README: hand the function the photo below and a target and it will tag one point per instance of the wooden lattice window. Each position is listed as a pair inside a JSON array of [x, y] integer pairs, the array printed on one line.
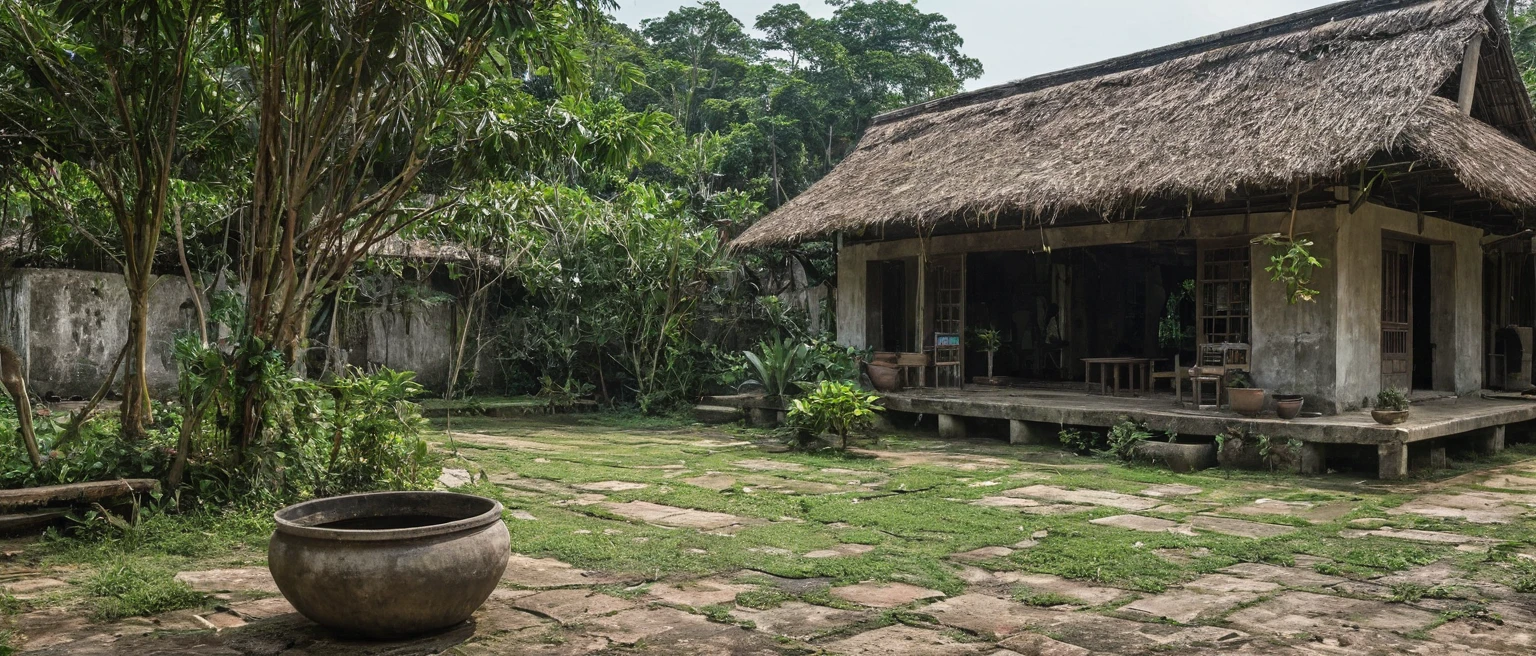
[[1225, 299]]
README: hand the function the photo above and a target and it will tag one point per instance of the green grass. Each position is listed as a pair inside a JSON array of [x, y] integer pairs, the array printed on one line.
[[132, 590]]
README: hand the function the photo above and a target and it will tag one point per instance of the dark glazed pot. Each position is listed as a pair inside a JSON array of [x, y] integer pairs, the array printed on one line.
[[389, 564], [1288, 406], [1389, 417]]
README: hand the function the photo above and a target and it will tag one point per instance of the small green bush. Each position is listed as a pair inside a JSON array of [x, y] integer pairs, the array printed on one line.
[[1392, 398], [834, 407], [1125, 436], [132, 590], [1082, 442]]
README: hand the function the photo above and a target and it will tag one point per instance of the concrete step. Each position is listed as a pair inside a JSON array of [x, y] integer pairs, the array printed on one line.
[[717, 414]]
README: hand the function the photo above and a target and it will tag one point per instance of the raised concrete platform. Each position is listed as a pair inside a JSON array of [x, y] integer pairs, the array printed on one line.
[[1034, 411]]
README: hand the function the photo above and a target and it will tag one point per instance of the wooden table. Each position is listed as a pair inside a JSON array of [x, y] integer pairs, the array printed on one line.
[[1138, 374]]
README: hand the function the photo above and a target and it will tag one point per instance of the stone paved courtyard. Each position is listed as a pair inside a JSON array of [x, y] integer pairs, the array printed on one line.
[[633, 537]]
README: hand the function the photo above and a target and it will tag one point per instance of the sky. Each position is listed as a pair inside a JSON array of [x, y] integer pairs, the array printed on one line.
[[1016, 39]]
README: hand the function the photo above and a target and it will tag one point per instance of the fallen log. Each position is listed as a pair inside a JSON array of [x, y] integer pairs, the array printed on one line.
[[73, 493]]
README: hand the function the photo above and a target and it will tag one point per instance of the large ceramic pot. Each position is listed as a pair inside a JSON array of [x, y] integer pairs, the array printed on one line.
[[1246, 400], [389, 564], [1288, 406], [885, 378]]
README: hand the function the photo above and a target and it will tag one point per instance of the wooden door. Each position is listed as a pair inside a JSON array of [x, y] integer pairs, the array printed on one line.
[[1396, 314], [947, 340]]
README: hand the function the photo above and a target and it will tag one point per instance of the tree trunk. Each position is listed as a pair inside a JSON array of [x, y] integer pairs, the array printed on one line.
[[135, 412]]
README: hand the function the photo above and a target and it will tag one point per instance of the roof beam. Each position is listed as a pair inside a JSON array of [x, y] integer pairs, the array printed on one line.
[[1469, 74]]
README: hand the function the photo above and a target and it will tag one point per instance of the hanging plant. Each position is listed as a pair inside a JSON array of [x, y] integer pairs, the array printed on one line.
[[1291, 262], [1290, 258], [1171, 330]]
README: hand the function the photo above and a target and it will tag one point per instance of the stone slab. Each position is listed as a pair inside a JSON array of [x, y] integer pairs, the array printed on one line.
[[1291, 577], [883, 595], [763, 464], [452, 478], [699, 593], [1170, 490], [244, 579], [611, 486], [1222, 583], [655, 513], [1238, 527], [1474, 507], [985, 615], [1091, 595], [1296, 612], [571, 606], [1316, 513], [1034, 644], [261, 609], [527, 572], [1136, 523], [1416, 535], [1084, 497], [984, 553], [903, 640], [841, 550], [33, 588], [1187, 605], [800, 620]]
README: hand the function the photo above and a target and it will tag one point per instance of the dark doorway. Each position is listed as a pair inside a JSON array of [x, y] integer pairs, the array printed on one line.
[[1423, 344], [889, 305]]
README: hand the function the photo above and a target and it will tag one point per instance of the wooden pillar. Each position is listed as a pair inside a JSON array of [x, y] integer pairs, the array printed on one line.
[[1469, 74], [1393, 460]]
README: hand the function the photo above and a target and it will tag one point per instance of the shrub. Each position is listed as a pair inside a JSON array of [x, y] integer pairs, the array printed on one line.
[[778, 365], [834, 407], [1124, 436], [1082, 442], [1392, 398]]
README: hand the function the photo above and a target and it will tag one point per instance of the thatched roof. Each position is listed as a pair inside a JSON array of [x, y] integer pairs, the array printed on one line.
[[1311, 95]]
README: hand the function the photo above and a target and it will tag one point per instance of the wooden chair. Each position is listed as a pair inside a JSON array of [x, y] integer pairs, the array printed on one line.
[[1174, 376], [1215, 362]]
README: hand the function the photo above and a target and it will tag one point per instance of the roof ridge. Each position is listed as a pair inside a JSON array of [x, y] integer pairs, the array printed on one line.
[[1298, 21]]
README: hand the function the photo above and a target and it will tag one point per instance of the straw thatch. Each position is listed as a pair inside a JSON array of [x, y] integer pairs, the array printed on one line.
[[1258, 107]]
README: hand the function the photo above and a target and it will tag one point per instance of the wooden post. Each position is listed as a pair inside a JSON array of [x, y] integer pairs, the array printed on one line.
[[1469, 74]]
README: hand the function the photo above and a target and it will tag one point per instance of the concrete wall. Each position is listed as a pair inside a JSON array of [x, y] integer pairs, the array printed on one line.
[[1328, 350], [401, 333], [69, 325]]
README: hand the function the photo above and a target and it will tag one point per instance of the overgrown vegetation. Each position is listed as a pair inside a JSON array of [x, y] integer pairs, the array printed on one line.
[[834, 407]]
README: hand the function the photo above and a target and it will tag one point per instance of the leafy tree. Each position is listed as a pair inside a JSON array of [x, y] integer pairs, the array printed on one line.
[[120, 92]]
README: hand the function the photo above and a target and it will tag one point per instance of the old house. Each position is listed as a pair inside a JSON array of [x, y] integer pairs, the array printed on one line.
[[1064, 210]]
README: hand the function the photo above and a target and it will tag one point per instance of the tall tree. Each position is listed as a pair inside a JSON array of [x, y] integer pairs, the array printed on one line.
[[116, 87], [351, 107]]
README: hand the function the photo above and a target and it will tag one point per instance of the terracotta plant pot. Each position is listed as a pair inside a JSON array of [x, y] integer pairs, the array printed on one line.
[[1288, 406], [1246, 400], [1389, 417], [884, 377], [389, 564]]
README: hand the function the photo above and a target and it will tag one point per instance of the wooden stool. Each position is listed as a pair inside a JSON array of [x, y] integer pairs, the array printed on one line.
[[1198, 379]]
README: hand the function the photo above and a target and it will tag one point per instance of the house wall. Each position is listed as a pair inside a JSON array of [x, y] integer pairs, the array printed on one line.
[[1328, 350]]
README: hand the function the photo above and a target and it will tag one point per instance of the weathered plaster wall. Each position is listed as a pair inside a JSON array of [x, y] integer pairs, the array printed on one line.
[[69, 325], [1293, 349], [400, 332], [1329, 349]]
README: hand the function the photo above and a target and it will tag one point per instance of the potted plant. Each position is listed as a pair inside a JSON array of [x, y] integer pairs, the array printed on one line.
[[1391, 407], [1245, 398], [989, 340], [1288, 406]]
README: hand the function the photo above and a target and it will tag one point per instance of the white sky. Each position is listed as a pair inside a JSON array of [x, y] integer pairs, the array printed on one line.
[[1020, 38]]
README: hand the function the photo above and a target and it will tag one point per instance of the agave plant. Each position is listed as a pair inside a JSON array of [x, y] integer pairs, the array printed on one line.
[[779, 365]]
